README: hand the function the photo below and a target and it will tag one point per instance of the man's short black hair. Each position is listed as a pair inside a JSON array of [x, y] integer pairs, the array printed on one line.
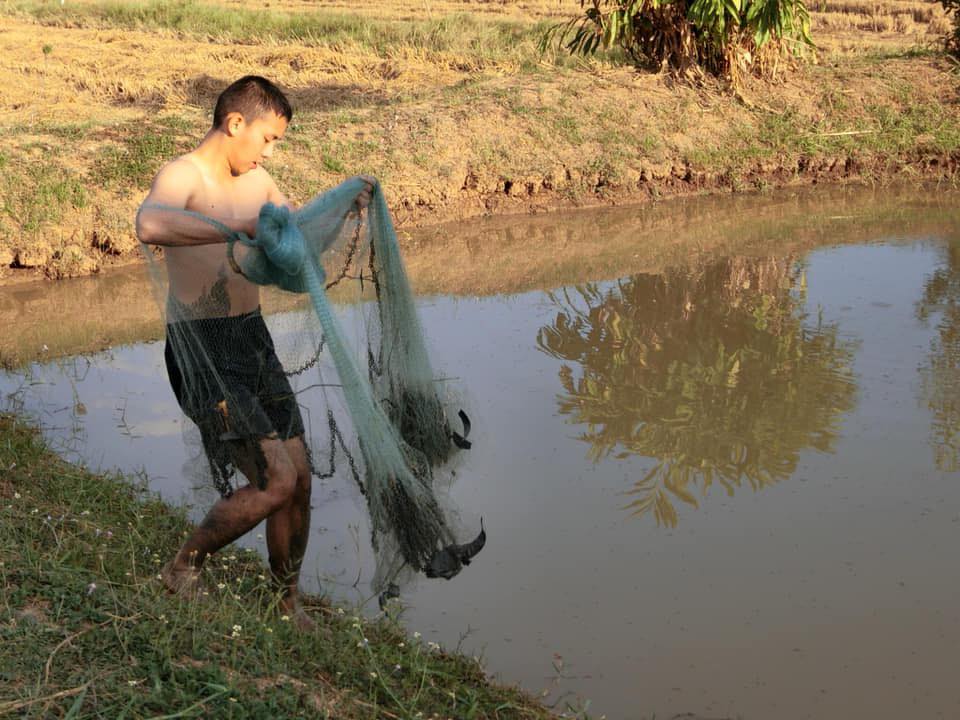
[[252, 96]]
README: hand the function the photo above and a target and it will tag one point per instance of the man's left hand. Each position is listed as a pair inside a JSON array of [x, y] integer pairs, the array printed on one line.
[[363, 198]]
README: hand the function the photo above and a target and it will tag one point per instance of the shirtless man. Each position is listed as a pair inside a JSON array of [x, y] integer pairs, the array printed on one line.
[[220, 357]]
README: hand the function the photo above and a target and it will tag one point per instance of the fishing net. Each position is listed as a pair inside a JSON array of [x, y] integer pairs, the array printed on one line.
[[226, 371]]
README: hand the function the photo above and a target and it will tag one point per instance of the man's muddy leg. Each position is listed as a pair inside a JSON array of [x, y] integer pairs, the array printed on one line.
[[231, 517], [288, 530]]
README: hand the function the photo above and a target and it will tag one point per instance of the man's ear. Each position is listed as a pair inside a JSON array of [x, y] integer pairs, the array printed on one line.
[[233, 124]]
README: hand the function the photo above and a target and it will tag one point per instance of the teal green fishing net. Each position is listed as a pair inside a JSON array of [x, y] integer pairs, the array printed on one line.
[[400, 433]]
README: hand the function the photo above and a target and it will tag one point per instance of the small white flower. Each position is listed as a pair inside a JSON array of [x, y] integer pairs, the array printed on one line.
[[339, 611], [284, 618], [261, 577], [373, 675], [402, 645], [416, 636], [220, 586], [133, 683], [159, 576], [396, 667], [16, 496], [85, 512], [269, 629], [237, 628], [90, 588]]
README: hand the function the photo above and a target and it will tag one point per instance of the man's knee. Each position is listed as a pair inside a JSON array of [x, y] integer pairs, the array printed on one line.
[[281, 477], [300, 457]]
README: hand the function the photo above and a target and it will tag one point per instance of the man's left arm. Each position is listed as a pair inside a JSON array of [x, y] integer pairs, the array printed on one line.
[[275, 196]]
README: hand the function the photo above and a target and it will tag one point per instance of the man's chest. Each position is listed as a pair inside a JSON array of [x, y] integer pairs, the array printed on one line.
[[242, 198]]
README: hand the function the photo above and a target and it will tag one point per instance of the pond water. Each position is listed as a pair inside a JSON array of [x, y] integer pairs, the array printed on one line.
[[718, 459]]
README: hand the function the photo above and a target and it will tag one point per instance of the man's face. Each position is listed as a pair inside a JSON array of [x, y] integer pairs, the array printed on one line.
[[253, 142]]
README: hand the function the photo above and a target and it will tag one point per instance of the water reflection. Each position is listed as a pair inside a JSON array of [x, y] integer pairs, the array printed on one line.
[[941, 373], [716, 372]]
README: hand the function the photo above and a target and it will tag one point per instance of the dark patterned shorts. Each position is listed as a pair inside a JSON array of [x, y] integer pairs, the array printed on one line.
[[227, 379]]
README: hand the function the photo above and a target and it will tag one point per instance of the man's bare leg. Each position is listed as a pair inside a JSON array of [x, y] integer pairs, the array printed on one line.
[[234, 516], [288, 530]]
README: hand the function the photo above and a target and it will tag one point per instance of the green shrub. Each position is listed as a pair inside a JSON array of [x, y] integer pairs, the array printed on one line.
[[952, 8], [723, 37]]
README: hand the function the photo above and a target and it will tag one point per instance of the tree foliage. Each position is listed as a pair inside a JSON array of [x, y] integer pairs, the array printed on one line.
[[724, 37], [952, 8], [714, 372]]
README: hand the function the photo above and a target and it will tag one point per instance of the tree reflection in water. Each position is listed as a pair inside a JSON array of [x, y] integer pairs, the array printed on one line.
[[713, 371], [941, 376]]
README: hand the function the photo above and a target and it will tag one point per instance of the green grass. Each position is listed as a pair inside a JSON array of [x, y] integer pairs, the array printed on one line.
[[63, 131], [87, 632], [140, 151], [35, 190]]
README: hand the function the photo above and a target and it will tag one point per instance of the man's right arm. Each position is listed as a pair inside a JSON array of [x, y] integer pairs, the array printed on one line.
[[160, 223]]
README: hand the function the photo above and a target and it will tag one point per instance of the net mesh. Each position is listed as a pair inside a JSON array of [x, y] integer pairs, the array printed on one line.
[[228, 377]]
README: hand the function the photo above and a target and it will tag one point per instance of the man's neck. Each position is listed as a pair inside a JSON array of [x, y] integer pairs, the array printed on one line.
[[211, 155]]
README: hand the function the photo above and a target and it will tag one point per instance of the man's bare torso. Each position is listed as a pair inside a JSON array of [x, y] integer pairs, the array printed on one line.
[[202, 283]]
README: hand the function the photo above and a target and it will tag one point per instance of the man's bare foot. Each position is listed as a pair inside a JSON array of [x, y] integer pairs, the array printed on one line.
[[184, 582], [292, 608]]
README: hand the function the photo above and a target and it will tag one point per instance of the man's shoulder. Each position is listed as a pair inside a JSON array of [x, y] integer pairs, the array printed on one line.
[[180, 173], [260, 176], [262, 181], [182, 166]]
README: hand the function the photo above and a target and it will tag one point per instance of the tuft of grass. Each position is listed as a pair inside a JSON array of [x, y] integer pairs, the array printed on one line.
[[36, 190], [86, 630], [139, 154]]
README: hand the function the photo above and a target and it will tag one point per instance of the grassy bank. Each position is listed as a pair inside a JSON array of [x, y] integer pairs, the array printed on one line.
[[87, 631], [449, 103]]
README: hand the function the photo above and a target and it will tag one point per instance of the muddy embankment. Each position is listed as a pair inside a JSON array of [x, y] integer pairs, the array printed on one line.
[[487, 195]]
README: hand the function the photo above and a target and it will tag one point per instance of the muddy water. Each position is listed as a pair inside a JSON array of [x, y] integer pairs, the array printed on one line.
[[719, 468]]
